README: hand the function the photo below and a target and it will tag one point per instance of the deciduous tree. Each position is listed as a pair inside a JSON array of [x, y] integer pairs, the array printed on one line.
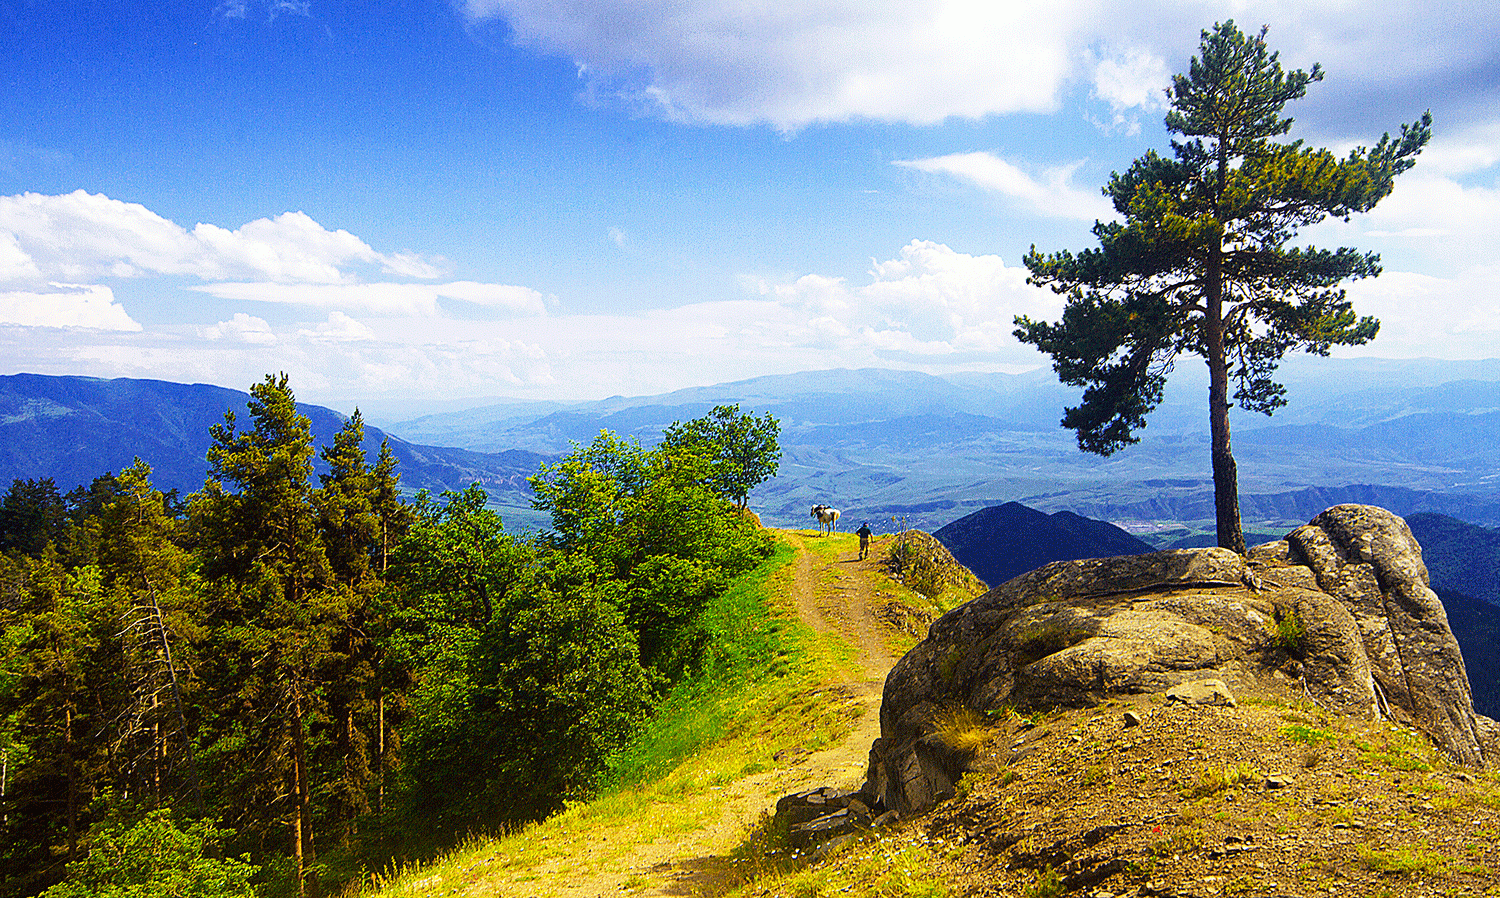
[[741, 450]]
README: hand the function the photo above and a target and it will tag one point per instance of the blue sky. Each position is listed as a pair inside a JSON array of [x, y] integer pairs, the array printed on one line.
[[416, 205]]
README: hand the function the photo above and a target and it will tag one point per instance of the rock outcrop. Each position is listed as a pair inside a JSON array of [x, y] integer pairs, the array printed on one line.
[[1340, 612]]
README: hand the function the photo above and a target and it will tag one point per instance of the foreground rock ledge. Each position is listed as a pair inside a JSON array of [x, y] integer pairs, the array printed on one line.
[[1340, 611]]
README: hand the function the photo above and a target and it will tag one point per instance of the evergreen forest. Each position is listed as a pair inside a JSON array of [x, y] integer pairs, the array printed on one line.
[[284, 678]]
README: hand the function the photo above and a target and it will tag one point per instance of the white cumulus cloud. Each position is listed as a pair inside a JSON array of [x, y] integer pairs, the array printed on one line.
[[932, 301], [81, 236], [66, 305], [1131, 81], [743, 62], [748, 62], [339, 328], [242, 328]]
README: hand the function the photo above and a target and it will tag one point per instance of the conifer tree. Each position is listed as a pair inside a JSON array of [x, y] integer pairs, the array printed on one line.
[[32, 514], [395, 516], [146, 576], [1201, 262], [346, 504], [263, 554]]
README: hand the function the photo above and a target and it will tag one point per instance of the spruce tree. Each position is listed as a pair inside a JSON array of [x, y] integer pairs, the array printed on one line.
[[265, 561]]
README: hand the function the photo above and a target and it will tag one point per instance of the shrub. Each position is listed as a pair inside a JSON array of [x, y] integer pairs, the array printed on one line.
[[1289, 632], [152, 858]]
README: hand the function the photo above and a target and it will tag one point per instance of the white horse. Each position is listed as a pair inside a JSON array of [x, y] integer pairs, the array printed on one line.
[[828, 517]]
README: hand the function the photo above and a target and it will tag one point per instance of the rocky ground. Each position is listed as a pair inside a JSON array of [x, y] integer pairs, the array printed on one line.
[[1269, 798], [1261, 799]]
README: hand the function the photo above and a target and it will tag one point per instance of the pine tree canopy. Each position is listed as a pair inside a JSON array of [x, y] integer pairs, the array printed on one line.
[[1201, 259]]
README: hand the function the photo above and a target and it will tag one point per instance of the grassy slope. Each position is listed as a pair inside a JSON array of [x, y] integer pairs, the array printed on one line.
[[759, 695], [1371, 809]]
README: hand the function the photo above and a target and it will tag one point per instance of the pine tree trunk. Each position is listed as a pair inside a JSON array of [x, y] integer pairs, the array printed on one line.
[[72, 783], [160, 627], [307, 855], [1226, 479], [380, 750], [297, 851]]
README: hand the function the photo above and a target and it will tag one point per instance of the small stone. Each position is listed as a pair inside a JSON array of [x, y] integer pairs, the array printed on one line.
[[1132, 719], [1278, 781]]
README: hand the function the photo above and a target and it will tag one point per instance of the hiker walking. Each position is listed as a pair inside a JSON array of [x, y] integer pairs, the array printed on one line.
[[864, 540]]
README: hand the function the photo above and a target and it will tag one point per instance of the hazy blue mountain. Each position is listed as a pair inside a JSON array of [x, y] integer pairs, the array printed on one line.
[[1476, 625], [1004, 541], [74, 428], [1459, 556], [1413, 435]]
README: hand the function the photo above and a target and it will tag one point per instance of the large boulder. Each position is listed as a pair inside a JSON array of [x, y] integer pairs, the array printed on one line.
[[1340, 612]]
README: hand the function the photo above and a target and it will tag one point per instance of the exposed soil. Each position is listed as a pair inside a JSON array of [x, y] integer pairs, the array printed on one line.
[[1322, 806]]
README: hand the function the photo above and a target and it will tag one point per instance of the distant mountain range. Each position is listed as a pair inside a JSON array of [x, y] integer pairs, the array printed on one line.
[[1419, 438], [73, 429], [1412, 436]]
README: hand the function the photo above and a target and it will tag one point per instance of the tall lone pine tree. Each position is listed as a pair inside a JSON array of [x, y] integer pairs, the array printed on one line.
[[1200, 263]]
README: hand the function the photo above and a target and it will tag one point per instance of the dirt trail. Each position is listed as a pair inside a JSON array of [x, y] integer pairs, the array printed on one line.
[[686, 863]]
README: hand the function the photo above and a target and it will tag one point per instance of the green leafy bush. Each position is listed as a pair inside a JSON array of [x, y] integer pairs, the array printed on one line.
[[155, 858]]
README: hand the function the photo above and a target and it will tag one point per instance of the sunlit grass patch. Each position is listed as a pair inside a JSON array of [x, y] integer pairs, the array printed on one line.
[[963, 728], [1400, 749], [897, 866], [1405, 861], [1302, 734], [1212, 780], [757, 692]]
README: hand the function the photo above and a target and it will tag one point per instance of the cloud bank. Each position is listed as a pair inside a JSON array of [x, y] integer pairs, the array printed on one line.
[[52, 246], [745, 62], [734, 62]]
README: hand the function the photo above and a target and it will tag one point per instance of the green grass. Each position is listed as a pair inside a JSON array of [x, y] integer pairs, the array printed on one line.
[[754, 694], [1212, 780], [748, 643], [1307, 735], [894, 867], [1405, 861], [1401, 750]]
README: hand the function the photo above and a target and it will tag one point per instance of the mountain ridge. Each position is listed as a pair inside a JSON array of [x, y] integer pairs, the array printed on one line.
[[73, 429], [881, 444]]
